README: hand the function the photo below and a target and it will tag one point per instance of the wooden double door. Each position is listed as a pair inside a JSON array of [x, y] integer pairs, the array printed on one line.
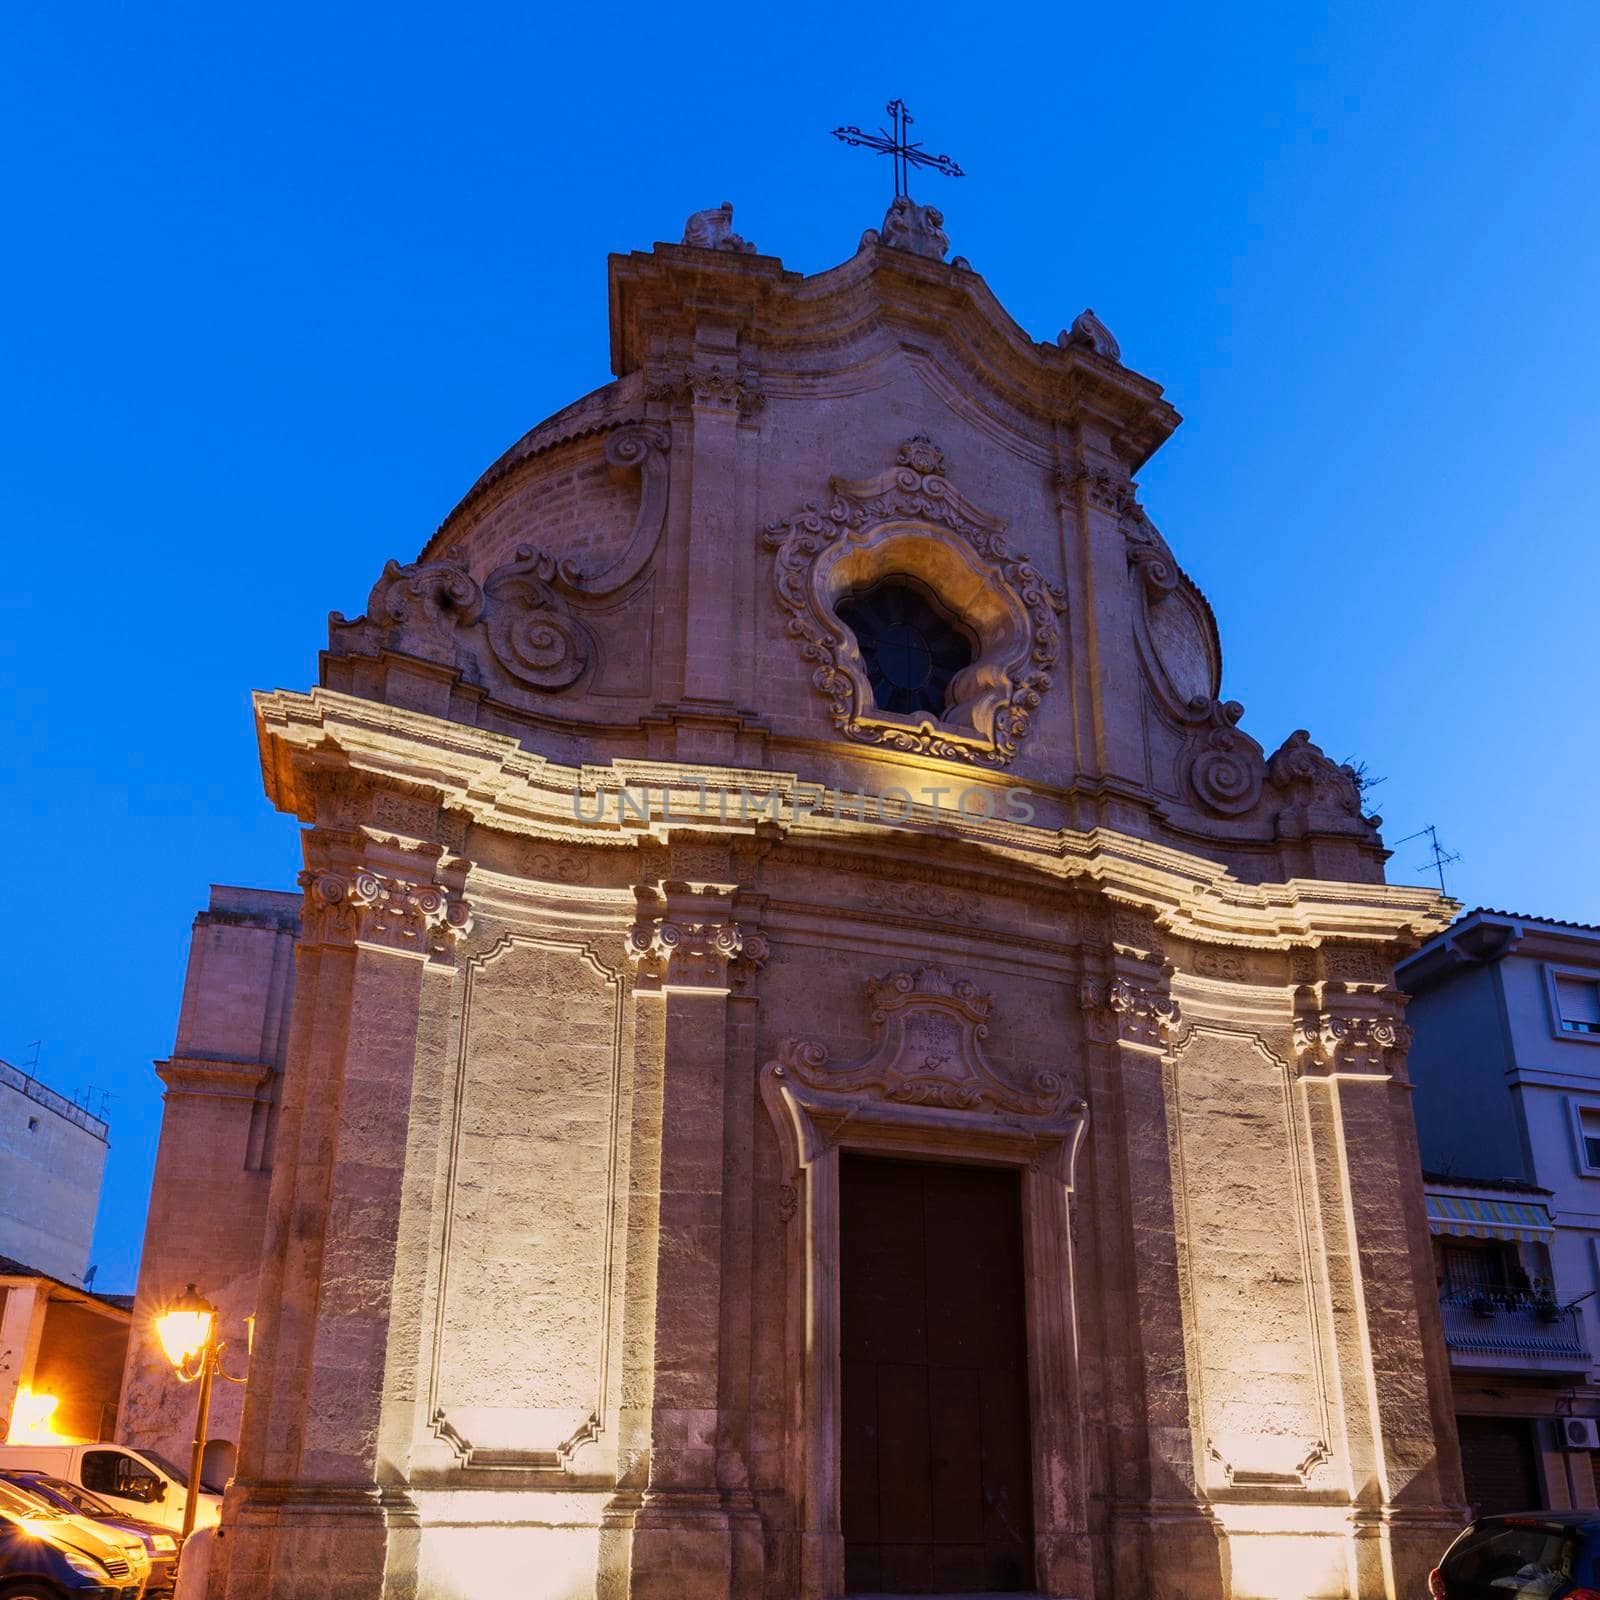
[[936, 1491]]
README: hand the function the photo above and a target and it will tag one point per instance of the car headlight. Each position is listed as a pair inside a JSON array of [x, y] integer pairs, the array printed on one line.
[[163, 1541], [79, 1562]]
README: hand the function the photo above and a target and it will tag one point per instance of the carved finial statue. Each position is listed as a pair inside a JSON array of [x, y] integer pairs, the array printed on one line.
[[713, 230], [1088, 332], [909, 226]]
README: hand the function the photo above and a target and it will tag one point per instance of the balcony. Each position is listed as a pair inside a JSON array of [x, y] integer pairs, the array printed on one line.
[[1513, 1332]]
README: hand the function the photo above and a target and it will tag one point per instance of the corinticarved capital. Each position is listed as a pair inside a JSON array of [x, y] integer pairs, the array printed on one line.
[[686, 938], [1350, 1041], [1128, 1013], [366, 907]]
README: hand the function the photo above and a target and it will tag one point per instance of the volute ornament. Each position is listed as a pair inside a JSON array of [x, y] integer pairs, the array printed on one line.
[[525, 619], [1322, 795], [1227, 769]]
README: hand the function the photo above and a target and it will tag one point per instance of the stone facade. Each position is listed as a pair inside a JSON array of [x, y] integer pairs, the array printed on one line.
[[208, 1200], [52, 1160], [628, 914]]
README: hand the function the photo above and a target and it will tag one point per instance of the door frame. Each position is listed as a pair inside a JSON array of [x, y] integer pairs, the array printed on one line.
[[815, 1125]]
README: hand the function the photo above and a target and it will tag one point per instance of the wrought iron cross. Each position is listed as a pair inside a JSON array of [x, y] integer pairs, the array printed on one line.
[[906, 154]]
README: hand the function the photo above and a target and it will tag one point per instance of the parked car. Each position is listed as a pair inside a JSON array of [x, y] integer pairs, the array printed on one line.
[[137, 1482], [36, 1565], [1531, 1555], [160, 1545]]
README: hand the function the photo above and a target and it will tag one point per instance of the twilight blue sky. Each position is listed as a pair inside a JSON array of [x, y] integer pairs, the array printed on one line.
[[278, 285]]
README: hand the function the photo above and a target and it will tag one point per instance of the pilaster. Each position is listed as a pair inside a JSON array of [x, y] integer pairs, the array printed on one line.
[[316, 1507], [687, 1524], [1350, 1045], [1162, 1536], [21, 1330]]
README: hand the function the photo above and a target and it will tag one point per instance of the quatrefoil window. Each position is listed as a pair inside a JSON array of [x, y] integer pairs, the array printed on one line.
[[910, 644]]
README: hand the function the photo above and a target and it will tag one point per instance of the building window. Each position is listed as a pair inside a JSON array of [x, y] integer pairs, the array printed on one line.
[[1589, 1136], [33, 1124], [1578, 1006], [910, 645], [1482, 1266]]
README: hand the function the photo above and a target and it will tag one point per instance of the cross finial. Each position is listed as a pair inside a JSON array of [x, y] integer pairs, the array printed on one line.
[[898, 144]]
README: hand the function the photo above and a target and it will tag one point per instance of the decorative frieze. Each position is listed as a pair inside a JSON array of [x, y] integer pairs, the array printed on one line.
[[1128, 1013]]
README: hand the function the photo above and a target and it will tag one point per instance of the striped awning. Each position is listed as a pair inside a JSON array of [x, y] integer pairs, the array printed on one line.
[[1482, 1218]]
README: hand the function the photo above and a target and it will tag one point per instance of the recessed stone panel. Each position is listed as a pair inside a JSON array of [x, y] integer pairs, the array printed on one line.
[[523, 1328], [1242, 1228]]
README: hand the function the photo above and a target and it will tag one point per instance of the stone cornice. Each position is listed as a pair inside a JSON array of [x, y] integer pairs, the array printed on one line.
[[212, 1078], [489, 780], [663, 294]]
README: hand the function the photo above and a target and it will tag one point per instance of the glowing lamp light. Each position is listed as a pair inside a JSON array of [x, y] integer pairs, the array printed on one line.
[[184, 1328], [31, 1415]]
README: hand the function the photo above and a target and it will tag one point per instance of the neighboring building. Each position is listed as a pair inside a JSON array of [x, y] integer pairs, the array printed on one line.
[[208, 1200], [1505, 1057], [61, 1355], [797, 955], [52, 1159]]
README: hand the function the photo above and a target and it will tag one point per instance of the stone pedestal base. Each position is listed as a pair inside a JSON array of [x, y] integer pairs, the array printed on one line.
[[307, 1543], [669, 1545], [1167, 1549]]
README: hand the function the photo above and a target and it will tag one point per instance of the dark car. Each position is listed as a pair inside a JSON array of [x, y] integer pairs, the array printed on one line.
[[159, 1542], [33, 1567], [1528, 1555]]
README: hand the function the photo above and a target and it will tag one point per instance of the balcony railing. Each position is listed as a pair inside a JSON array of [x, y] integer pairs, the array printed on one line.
[[1511, 1329]]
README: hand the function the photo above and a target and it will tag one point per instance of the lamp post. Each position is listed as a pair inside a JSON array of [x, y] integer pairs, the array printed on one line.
[[187, 1330]]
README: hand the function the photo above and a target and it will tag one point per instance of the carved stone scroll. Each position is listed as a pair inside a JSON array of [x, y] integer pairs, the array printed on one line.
[[525, 620]]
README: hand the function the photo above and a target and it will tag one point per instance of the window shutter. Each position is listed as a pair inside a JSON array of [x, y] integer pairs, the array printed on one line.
[[1579, 999]]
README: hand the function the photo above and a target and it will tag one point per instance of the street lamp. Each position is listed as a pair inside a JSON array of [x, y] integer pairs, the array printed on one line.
[[187, 1330]]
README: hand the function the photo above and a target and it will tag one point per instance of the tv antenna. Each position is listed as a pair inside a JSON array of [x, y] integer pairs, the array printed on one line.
[[1439, 860]]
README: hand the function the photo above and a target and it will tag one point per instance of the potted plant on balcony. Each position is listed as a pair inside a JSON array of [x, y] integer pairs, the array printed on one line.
[[1546, 1308], [1483, 1305]]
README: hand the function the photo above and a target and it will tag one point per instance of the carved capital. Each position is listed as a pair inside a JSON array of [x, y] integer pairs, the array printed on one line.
[[687, 938], [702, 384], [361, 906], [1341, 1040], [1097, 487], [1128, 1013]]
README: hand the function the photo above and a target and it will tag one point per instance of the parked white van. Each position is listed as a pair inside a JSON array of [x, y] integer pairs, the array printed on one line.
[[138, 1483]]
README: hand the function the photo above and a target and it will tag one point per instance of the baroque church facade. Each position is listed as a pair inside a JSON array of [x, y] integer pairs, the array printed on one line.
[[820, 1058]]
